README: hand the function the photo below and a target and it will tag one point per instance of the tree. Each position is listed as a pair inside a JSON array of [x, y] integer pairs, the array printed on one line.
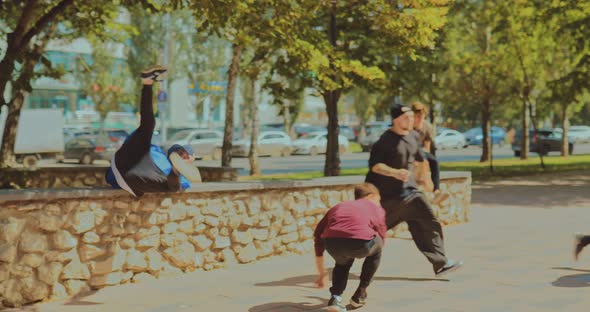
[[30, 25], [245, 25], [478, 70], [105, 79], [568, 82], [345, 44]]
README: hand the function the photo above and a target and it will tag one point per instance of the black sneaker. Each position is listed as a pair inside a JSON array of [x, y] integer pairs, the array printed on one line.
[[578, 246], [451, 266], [154, 73], [359, 298], [335, 304]]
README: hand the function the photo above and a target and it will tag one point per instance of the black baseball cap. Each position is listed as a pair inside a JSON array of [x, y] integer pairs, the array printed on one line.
[[398, 110]]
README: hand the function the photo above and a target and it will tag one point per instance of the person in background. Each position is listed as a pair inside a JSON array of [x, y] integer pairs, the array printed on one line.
[[426, 138]]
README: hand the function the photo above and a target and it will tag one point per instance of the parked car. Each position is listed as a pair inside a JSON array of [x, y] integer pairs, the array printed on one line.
[[304, 129], [205, 142], [474, 136], [316, 143], [542, 142], [347, 132], [577, 134], [88, 148], [270, 143], [373, 132], [449, 138]]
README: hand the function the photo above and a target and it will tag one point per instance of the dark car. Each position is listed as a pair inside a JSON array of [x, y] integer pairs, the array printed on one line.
[[87, 149], [474, 136], [541, 142]]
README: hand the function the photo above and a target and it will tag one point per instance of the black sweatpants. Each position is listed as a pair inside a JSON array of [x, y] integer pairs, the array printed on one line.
[[138, 144], [434, 170], [344, 251], [425, 228]]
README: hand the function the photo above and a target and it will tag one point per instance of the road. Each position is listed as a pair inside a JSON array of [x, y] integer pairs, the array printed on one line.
[[306, 163]]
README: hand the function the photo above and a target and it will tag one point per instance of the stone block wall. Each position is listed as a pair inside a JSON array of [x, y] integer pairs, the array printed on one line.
[[86, 177], [56, 244]]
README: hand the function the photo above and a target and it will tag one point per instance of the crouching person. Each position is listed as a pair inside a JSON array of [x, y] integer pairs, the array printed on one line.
[[351, 230]]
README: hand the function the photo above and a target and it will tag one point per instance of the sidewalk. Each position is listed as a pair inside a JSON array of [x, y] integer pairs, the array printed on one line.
[[517, 250]]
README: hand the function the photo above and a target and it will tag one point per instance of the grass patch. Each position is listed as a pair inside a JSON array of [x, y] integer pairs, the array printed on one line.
[[505, 167], [354, 147], [515, 167]]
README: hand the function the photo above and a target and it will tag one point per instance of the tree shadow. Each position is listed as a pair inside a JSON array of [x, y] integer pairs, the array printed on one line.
[[77, 299], [291, 306], [397, 278], [570, 269], [551, 194]]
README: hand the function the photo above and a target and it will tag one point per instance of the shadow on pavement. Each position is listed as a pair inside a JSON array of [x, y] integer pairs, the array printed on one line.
[[405, 279], [294, 281], [77, 299], [291, 306], [533, 195], [576, 280]]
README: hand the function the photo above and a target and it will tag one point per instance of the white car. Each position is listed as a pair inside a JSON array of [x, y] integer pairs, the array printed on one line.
[[316, 142], [270, 143], [205, 142], [579, 133], [449, 138]]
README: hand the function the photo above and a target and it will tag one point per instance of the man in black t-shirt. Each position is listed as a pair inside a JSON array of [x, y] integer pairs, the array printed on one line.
[[396, 167]]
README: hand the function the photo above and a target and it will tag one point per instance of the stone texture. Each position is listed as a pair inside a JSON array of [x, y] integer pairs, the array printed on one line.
[[10, 229], [81, 221], [91, 238], [49, 223], [89, 252], [181, 256], [75, 270], [49, 272], [74, 287], [33, 242], [8, 253], [201, 242], [155, 262], [110, 264], [64, 240], [113, 278], [136, 261], [32, 260]]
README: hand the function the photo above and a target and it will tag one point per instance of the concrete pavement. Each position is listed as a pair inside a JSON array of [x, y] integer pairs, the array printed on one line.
[[517, 250]]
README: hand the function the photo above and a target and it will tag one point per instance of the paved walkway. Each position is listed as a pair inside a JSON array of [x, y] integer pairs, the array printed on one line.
[[517, 248]]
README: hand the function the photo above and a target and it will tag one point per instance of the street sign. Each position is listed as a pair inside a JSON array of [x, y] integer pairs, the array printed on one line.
[[162, 96]]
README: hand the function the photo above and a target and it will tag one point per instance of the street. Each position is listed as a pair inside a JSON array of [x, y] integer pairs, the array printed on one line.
[[307, 163]]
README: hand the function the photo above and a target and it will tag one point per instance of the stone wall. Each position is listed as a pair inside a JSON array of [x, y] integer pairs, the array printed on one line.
[[58, 243], [86, 177]]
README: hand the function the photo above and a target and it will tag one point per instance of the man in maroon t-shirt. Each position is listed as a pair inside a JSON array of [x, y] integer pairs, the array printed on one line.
[[349, 230]]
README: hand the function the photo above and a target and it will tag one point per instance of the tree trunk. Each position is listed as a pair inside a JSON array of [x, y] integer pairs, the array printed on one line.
[[253, 153], [332, 164], [486, 152], [524, 137], [229, 106], [7, 158], [287, 117], [565, 125]]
